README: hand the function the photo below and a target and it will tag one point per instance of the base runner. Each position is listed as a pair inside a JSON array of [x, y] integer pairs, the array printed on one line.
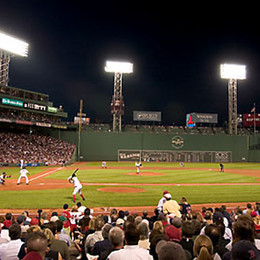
[[23, 174], [77, 186]]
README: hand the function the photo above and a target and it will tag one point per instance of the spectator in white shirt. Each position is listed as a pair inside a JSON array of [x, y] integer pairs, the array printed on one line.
[[131, 250], [9, 251]]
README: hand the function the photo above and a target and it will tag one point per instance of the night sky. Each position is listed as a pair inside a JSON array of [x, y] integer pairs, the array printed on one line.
[[176, 51]]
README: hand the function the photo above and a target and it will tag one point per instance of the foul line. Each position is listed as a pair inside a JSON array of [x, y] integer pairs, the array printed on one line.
[[170, 184], [44, 174]]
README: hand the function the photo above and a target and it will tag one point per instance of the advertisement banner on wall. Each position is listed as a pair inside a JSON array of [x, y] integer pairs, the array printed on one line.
[[249, 119]]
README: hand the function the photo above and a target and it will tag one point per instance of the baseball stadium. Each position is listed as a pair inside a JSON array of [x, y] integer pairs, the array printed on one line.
[[182, 160], [78, 172]]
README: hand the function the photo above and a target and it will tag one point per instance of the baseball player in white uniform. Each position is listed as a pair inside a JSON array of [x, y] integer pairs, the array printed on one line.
[[77, 186], [138, 165], [23, 174], [104, 165]]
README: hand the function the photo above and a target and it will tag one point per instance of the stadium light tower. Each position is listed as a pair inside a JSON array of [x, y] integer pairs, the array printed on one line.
[[232, 72], [117, 103], [9, 46]]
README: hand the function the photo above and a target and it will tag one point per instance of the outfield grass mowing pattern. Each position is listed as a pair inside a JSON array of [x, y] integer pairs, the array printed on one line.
[[94, 198]]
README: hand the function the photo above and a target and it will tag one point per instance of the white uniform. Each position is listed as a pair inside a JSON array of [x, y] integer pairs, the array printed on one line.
[[104, 165], [77, 186], [2, 178], [138, 167], [23, 174]]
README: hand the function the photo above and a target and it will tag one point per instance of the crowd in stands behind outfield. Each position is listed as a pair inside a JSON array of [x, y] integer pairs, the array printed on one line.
[[212, 234], [33, 148]]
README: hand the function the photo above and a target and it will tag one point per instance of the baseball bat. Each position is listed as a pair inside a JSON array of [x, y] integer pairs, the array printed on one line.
[[75, 171]]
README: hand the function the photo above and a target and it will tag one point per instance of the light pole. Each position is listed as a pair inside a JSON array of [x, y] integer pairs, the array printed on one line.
[[232, 72], [9, 46], [117, 103]]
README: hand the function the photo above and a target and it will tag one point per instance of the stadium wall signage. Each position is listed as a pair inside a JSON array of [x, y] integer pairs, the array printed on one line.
[[147, 116], [12, 102], [35, 106]]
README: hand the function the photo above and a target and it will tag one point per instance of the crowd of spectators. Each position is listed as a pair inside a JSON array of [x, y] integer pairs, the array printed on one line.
[[210, 234], [30, 117], [33, 148]]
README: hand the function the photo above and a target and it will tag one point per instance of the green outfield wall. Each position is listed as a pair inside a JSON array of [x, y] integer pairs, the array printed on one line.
[[105, 145]]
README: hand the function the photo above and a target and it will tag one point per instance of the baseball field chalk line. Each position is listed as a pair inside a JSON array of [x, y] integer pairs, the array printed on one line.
[[46, 173]]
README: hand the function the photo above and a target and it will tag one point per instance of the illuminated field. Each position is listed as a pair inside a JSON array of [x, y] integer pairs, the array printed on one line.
[[199, 183]]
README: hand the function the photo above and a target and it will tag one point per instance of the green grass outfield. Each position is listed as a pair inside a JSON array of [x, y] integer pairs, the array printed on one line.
[[172, 173]]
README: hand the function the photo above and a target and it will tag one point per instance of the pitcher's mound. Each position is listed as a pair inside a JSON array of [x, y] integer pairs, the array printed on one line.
[[121, 189]]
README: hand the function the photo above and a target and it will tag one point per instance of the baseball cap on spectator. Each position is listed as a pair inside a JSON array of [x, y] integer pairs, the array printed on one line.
[[62, 218], [165, 192], [34, 221], [168, 196], [253, 214], [167, 250], [120, 221], [7, 223], [54, 213], [54, 218], [245, 249], [173, 233]]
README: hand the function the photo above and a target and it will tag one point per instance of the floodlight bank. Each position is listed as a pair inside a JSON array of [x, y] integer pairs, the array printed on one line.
[[232, 71], [120, 67], [13, 45]]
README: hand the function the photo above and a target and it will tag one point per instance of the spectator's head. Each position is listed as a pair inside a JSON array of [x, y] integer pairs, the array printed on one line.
[[138, 220], [34, 221], [99, 223], [131, 235], [15, 231], [213, 233], [65, 206], [116, 237], [168, 196], [187, 229], [87, 212], [20, 219], [32, 229], [121, 214], [37, 242], [203, 247], [105, 230], [167, 250], [208, 215], [157, 225], [74, 208], [243, 230], [59, 225], [145, 213], [8, 216], [44, 215], [91, 225], [143, 230], [49, 235], [52, 226]]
